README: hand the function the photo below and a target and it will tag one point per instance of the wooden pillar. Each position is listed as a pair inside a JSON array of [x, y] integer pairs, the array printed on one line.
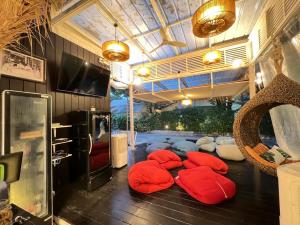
[[252, 76], [131, 114]]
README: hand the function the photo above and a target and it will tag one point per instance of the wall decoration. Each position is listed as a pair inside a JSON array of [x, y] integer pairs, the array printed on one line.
[[19, 18], [22, 66]]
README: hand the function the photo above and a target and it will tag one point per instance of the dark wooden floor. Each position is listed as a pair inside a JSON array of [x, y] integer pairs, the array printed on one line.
[[256, 202]]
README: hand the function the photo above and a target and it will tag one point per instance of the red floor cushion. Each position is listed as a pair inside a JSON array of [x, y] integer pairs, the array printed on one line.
[[148, 177], [188, 164], [205, 185], [204, 159], [166, 158]]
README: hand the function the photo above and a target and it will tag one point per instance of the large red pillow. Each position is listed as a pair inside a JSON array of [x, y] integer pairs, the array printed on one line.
[[205, 185], [166, 158], [204, 159], [148, 176], [188, 164]]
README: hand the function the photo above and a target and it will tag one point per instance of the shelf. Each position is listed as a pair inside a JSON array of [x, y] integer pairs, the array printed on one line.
[[61, 126], [61, 142], [56, 160]]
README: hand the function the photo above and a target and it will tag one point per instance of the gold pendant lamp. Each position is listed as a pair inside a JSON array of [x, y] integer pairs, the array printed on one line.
[[212, 56], [143, 71], [213, 18], [115, 50]]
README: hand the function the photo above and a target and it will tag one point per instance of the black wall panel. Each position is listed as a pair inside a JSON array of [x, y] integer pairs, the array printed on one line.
[[62, 103]]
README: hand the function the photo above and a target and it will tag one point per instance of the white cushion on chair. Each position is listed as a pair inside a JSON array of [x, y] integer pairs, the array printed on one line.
[[230, 152]]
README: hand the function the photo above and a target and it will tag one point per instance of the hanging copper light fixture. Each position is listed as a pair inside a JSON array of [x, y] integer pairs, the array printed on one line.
[[114, 50], [213, 17]]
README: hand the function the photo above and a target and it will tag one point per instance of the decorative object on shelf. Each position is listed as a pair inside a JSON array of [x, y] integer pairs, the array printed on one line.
[[212, 57], [24, 17], [143, 71], [213, 18], [115, 50], [22, 66]]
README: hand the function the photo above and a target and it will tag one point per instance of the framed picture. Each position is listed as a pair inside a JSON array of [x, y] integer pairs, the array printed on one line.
[[22, 66]]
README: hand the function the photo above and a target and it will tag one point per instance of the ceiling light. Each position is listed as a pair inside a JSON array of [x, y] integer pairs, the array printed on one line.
[[213, 17], [212, 57], [237, 63], [143, 71], [114, 50], [137, 81], [186, 102]]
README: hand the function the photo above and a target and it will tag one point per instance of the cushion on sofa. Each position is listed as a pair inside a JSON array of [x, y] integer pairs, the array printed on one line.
[[148, 177], [182, 147], [229, 152], [210, 147], [204, 140], [205, 185], [156, 146], [204, 159], [224, 140], [275, 155], [166, 158]]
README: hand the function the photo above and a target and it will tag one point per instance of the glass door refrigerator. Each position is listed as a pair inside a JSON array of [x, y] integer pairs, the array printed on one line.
[[26, 127], [91, 147]]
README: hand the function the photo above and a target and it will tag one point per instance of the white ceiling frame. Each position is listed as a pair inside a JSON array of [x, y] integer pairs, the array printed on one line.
[[162, 19], [86, 34], [82, 5], [220, 46], [157, 30]]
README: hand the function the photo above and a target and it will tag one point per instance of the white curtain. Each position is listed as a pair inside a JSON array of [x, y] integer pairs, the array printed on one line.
[[286, 118]]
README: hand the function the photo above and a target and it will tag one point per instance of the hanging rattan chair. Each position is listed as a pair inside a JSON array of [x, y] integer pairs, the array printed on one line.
[[280, 91]]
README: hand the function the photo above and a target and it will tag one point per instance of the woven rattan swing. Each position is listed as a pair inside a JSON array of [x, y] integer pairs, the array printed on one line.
[[280, 91]]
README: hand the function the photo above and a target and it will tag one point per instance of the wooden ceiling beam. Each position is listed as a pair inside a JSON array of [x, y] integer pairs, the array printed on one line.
[[71, 11], [168, 26], [162, 19]]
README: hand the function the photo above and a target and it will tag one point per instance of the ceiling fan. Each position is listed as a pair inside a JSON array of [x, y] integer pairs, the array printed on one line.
[[166, 41]]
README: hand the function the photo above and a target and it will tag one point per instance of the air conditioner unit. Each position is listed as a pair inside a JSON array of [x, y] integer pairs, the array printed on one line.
[[119, 150], [289, 193]]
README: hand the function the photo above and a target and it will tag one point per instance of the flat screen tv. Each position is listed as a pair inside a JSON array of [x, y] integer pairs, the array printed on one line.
[[81, 77]]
